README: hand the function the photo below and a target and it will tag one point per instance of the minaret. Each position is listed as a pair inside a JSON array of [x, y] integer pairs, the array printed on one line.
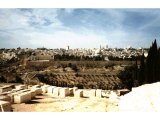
[[68, 47]]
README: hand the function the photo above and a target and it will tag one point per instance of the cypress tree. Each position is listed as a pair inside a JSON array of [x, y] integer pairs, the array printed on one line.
[[142, 70]]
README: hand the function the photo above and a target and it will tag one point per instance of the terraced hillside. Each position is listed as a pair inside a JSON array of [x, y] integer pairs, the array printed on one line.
[[82, 74]]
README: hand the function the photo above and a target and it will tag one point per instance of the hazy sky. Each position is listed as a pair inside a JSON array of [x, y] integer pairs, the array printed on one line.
[[78, 28]]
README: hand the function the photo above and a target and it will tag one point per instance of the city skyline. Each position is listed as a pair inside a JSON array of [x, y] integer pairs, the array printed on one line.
[[78, 28]]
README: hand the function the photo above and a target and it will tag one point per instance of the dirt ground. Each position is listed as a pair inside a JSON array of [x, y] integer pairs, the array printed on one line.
[[45, 103]]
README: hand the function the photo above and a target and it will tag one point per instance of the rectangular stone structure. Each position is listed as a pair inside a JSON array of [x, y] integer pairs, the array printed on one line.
[[105, 93], [56, 91], [78, 93], [36, 86], [74, 89], [21, 87], [64, 92], [5, 106], [33, 94], [38, 91], [123, 91], [45, 88], [5, 98], [86, 93], [71, 93], [50, 90], [99, 93], [22, 98], [5, 89], [13, 93], [92, 93]]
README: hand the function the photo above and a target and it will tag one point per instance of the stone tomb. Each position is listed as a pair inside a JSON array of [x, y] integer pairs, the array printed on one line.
[[92, 93], [5, 106], [12, 94], [71, 91], [21, 87], [38, 91], [64, 92], [50, 90], [105, 93], [5, 98], [33, 94], [22, 98], [123, 92], [56, 91], [74, 89], [99, 93], [86, 93], [45, 88], [5, 88], [36, 86], [78, 93]]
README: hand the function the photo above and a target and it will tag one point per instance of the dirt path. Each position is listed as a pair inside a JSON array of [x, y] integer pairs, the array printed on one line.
[[46, 103]]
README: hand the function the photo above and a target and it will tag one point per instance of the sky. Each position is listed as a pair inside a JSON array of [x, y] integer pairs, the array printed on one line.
[[78, 28]]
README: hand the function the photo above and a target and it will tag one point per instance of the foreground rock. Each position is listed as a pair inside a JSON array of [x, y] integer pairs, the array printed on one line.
[[145, 98]]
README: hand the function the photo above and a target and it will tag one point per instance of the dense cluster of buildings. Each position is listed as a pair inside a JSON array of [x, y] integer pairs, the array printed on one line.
[[48, 54]]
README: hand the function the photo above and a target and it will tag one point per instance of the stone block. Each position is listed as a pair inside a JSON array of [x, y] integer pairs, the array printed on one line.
[[5, 98], [22, 98], [64, 92], [45, 88], [5, 89], [78, 93], [36, 86], [33, 94], [71, 91], [56, 91], [123, 91], [92, 93], [105, 93], [21, 87], [38, 91], [86, 93], [5, 106], [74, 89], [29, 87], [99, 93], [50, 90]]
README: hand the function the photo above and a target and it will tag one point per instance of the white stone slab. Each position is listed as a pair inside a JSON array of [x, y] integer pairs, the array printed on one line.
[[71, 91], [74, 89], [45, 88], [99, 93], [22, 98], [5, 89], [78, 93], [33, 94], [38, 91], [56, 91], [36, 86], [50, 89], [5, 98], [64, 92], [92, 93], [21, 87]]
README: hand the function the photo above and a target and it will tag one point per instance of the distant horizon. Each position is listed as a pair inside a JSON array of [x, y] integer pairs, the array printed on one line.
[[76, 48], [79, 28]]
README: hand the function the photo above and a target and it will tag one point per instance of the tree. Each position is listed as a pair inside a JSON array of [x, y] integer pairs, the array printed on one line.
[[142, 70]]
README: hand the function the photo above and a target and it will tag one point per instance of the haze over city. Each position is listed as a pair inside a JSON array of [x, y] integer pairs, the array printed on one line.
[[78, 28]]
